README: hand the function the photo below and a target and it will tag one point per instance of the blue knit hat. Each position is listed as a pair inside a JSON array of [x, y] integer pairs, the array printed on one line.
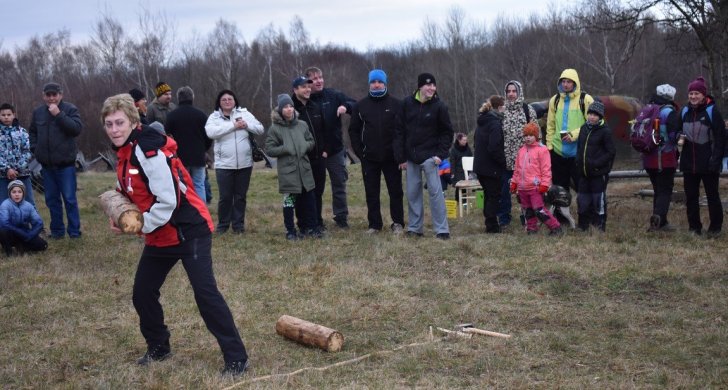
[[377, 75]]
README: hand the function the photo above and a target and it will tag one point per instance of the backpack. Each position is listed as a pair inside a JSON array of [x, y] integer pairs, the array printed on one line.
[[527, 111], [645, 134], [581, 102]]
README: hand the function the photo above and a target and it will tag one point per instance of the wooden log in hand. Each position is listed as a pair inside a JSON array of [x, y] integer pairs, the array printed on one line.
[[309, 333], [122, 211]]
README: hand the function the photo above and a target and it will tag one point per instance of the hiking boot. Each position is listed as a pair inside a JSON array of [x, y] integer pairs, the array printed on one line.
[[156, 353], [341, 223], [396, 228], [235, 368], [410, 233], [315, 233], [443, 236]]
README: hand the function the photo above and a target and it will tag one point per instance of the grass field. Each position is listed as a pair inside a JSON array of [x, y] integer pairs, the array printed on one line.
[[623, 309]]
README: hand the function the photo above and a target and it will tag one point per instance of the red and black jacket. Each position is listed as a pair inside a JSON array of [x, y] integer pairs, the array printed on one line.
[[151, 175]]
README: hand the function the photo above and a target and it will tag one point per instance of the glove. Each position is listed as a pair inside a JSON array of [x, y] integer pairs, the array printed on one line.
[[543, 189], [513, 187]]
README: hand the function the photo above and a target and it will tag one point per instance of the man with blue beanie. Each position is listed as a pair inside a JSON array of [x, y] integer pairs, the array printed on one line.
[[372, 129]]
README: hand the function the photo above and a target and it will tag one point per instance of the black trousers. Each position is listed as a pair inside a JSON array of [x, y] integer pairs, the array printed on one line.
[[692, 195], [318, 168], [591, 200], [491, 197], [303, 205], [372, 172], [663, 183], [10, 239], [233, 186], [563, 171], [154, 265]]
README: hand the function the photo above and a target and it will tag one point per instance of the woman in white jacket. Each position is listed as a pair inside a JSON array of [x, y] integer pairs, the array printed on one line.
[[231, 127]]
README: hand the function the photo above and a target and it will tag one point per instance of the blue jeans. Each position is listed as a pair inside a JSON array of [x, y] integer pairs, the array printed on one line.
[[198, 179], [415, 197], [504, 210], [338, 175], [28, 189], [60, 184]]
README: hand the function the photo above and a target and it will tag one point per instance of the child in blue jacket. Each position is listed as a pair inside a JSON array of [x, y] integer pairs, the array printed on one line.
[[20, 223]]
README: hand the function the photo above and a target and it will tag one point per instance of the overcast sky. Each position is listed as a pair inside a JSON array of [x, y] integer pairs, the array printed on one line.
[[357, 24]]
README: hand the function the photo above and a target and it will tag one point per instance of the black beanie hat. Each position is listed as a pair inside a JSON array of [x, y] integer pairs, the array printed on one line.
[[136, 94], [425, 78], [597, 108]]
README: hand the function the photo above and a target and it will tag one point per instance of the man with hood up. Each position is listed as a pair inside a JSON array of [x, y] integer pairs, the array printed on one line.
[[566, 115]]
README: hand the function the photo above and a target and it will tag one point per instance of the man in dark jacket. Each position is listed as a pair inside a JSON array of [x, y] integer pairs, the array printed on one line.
[[53, 131], [372, 128], [333, 104], [186, 124], [423, 136], [310, 113]]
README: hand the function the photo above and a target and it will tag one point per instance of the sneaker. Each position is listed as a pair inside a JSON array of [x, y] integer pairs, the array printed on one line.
[[396, 228], [655, 222], [371, 231], [156, 353], [442, 236], [315, 233], [235, 368], [557, 232], [410, 233], [341, 223], [291, 236]]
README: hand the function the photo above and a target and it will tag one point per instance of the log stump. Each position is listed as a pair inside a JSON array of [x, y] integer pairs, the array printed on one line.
[[309, 333], [122, 211]]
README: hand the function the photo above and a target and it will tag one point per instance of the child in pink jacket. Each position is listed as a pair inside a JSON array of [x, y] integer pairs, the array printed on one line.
[[531, 179]]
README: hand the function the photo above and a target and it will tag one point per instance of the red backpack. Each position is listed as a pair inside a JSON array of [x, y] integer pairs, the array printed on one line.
[[645, 135]]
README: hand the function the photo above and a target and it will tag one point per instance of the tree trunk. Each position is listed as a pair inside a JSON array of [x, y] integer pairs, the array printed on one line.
[[122, 211], [309, 333]]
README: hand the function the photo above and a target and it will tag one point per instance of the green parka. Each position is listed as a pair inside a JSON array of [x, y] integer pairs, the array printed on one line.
[[289, 142]]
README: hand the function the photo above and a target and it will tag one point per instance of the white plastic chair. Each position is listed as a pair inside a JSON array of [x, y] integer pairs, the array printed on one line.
[[467, 188]]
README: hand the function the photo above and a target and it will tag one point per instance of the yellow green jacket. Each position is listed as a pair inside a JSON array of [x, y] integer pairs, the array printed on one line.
[[567, 117]]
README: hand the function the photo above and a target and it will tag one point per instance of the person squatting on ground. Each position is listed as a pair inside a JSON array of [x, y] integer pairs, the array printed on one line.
[[532, 179], [490, 159], [703, 133], [459, 149], [161, 105], [231, 126], [515, 116], [567, 112], [594, 159], [290, 141], [661, 162], [311, 113], [423, 137], [14, 153], [371, 130], [186, 124], [20, 223], [177, 226], [53, 131], [333, 104]]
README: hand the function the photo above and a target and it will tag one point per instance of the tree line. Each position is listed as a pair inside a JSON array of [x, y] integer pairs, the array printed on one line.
[[618, 47]]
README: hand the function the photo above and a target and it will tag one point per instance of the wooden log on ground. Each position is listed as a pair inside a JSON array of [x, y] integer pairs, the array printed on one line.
[[122, 211], [309, 333]]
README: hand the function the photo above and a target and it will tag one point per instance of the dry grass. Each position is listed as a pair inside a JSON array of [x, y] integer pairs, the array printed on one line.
[[616, 310]]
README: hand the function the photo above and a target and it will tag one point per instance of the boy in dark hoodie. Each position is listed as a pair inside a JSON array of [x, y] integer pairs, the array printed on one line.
[[594, 158]]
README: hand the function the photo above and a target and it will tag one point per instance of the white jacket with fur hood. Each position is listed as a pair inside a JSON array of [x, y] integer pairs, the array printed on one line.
[[232, 146]]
